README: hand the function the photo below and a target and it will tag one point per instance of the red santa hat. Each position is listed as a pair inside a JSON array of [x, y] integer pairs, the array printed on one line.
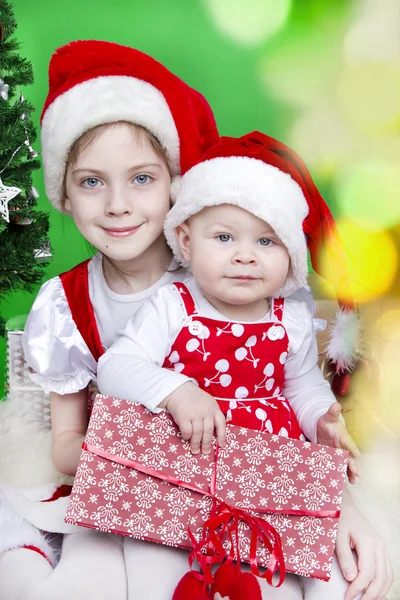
[[268, 179], [94, 82]]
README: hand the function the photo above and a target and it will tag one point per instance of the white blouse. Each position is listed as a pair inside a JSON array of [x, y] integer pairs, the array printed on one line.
[[130, 369], [52, 344]]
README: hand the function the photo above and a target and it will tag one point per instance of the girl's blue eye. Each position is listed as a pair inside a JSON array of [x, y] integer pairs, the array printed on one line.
[[265, 242], [91, 182], [143, 179], [224, 237]]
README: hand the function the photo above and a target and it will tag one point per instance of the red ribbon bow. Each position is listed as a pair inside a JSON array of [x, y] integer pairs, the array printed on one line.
[[224, 519]]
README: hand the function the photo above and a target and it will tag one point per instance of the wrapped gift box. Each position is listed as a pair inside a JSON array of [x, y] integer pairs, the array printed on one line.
[[138, 478]]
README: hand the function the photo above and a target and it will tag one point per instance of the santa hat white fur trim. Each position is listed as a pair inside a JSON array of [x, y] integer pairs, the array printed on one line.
[[175, 187], [251, 184], [47, 516], [16, 532], [345, 338], [94, 102]]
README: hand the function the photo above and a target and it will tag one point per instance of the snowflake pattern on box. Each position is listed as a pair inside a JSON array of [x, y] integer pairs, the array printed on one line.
[[117, 489]]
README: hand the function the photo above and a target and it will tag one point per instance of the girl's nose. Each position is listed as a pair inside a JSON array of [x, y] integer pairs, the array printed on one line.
[[119, 203]]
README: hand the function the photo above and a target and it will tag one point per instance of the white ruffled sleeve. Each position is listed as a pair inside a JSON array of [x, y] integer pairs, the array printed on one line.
[[307, 390], [53, 346]]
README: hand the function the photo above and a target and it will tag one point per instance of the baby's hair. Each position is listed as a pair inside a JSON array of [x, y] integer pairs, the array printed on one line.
[[141, 133]]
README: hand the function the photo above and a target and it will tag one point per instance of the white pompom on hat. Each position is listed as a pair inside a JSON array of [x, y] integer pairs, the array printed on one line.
[[94, 82], [268, 179]]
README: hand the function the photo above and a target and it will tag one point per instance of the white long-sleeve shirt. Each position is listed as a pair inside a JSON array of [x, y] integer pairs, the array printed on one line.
[[132, 366]]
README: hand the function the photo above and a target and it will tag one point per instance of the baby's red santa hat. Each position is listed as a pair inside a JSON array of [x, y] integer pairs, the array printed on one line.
[[93, 82], [268, 179]]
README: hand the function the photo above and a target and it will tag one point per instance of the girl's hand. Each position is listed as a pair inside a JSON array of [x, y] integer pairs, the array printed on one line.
[[332, 432], [373, 574], [197, 414]]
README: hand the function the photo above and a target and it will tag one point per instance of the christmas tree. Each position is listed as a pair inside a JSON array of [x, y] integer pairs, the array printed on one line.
[[23, 242]]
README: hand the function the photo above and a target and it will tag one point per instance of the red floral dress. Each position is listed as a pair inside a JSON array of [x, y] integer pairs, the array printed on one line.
[[240, 364]]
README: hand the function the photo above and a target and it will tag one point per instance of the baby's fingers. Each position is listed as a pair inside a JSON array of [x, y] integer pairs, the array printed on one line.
[[185, 427], [333, 414], [208, 428], [197, 434], [346, 442], [353, 470], [220, 428]]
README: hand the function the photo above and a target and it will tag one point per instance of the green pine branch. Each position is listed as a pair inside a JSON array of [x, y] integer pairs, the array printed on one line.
[[28, 227]]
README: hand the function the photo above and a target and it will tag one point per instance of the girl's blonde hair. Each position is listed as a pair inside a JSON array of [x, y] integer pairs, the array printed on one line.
[[141, 134]]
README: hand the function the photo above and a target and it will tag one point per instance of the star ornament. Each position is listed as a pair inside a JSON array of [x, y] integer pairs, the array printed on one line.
[[6, 194]]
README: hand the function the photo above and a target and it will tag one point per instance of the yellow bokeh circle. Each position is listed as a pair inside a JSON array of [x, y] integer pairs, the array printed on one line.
[[371, 260]]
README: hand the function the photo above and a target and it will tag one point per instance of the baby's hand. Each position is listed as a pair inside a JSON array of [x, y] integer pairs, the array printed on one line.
[[197, 414], [332, 432]]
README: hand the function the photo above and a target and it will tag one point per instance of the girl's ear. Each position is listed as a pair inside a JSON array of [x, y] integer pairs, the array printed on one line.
[[182, 233], [66, 204]]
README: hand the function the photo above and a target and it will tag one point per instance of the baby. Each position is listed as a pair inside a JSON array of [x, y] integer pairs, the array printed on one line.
[[241, 329]]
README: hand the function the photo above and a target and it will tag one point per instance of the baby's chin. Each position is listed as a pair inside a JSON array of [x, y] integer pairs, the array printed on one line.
[[241, 298], [243, 294]]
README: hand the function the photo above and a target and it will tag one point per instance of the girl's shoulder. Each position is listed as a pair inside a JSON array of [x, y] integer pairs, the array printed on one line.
[[53, 295], [55, 287], [50, 291], [54, 347]]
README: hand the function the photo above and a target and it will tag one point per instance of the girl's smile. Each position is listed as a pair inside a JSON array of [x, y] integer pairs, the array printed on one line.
[[121, 232]]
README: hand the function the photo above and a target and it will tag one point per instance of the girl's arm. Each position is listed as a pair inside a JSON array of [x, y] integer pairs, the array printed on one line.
[[372, 573], [69, 419]]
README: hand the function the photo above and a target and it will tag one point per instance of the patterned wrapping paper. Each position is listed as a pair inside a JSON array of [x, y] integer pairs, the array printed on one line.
[[129, 453]]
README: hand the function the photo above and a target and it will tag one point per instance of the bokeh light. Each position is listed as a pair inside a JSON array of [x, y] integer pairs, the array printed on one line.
[[249, 22], [300, 70], [387, 327], [369, 96], [386, 336], [371, 261], [322, 140], [374, 36], [371, 191]]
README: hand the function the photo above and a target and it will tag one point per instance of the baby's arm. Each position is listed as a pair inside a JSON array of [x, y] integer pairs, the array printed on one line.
[[309, 394], [68, 428], [331, 431], [132, 369]]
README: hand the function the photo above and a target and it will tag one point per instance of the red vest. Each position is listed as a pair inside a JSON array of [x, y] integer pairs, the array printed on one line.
[[76, 287]]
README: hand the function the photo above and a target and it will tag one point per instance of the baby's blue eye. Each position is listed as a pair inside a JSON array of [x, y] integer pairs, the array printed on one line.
[[265, 242], [143, 179], [91, 182], [224, 237]]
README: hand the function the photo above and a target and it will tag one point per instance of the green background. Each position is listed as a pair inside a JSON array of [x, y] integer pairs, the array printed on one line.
[[182, 35]]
